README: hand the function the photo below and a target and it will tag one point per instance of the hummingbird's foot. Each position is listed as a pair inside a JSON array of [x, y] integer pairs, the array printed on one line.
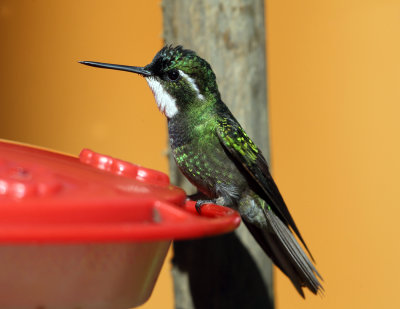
[[200, 203]]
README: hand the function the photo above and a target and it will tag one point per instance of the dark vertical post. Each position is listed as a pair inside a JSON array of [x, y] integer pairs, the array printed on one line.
[[229, 271]]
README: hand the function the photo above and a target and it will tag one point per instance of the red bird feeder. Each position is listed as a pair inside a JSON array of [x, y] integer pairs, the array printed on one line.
[[89, 232]]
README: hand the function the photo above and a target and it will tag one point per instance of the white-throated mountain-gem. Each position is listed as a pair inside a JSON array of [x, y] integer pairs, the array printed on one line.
[[214, 152]]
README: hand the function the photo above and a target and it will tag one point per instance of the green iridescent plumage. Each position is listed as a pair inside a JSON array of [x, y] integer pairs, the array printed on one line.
[[214, 152]]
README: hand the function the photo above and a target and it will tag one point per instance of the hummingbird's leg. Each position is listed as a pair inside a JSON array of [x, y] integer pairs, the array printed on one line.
[[200, 203], [200, 199]]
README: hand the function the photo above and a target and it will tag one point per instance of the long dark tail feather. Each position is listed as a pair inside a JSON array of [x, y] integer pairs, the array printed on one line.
[[280, 245], [277, 259]]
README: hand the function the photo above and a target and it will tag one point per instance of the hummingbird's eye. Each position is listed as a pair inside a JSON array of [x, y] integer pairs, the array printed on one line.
[[173, 74]]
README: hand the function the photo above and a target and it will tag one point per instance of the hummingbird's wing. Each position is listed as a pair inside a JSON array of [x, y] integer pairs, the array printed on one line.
[[235, 140]]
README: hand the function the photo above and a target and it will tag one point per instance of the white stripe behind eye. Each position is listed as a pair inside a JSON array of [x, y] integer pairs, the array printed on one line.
[[193, 83], [165, 102]]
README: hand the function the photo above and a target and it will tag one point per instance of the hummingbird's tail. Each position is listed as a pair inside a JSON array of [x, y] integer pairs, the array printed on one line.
[[281, 246]]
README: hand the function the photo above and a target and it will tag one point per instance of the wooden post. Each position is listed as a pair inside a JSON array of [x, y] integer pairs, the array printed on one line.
[[229, 271]]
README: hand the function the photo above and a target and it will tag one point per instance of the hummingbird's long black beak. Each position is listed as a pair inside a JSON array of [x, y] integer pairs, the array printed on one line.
[[138, 70]]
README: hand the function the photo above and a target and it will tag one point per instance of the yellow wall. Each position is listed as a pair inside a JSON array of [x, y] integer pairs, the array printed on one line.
[[334, 77], [48, 99], [333, 69]]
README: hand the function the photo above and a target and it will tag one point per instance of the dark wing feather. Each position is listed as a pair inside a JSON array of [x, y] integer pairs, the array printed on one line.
[[285, 252], [235, 140]]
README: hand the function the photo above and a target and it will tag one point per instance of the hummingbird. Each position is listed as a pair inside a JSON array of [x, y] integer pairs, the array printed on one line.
[[215, 154]]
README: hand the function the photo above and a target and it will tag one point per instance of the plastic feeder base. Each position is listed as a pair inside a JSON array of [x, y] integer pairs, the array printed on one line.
[[84, 276]]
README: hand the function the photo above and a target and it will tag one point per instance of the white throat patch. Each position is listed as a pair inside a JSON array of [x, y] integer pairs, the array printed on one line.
[[166, 104]]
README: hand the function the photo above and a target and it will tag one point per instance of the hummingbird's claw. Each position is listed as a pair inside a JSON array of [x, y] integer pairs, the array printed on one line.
[[199, 198], [200, 203]]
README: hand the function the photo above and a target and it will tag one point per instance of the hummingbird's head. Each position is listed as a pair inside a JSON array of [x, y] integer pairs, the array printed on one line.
[[180, 80]]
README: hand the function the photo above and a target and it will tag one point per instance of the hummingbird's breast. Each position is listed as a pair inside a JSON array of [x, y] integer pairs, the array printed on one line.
[[202, 159]]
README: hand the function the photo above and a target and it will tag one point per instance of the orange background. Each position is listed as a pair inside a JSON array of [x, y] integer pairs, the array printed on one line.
[[333, 82]]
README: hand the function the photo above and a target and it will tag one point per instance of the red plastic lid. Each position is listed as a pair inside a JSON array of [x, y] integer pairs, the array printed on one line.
[[51, 197]]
